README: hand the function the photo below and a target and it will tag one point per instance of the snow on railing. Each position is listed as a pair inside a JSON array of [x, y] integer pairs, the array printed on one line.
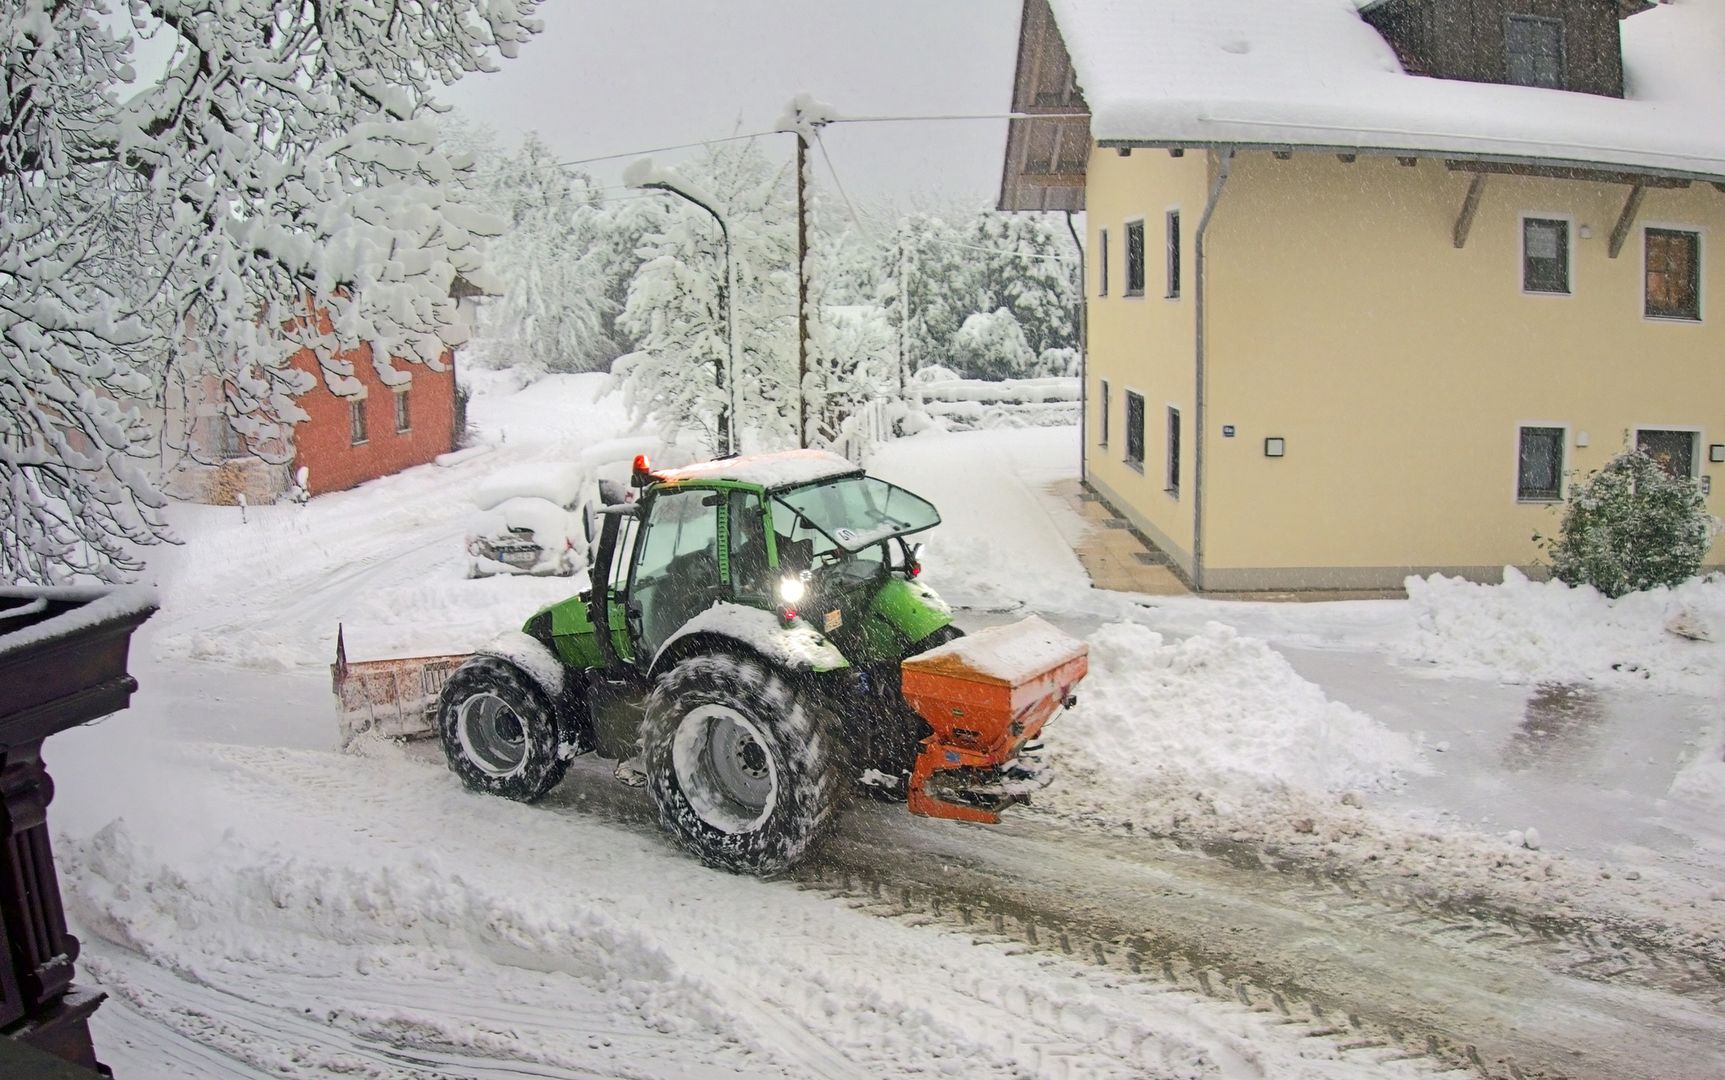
[[966, 404], [936, 400]]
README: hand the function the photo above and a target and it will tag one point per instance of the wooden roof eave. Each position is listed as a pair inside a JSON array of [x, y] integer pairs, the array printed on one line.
[[1605, 172]]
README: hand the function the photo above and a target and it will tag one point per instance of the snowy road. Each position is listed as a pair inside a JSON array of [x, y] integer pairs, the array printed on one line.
[[257, 904]]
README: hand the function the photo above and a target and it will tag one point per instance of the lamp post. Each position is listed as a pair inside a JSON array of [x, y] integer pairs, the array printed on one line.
[[725, 378]]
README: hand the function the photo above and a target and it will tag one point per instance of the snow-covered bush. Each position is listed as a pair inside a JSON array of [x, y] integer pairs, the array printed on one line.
[[991, 345], [1631, 526], [1058, 363]]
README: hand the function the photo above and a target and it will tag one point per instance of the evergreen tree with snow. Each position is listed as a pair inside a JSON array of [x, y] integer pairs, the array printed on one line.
[[681, 375], [551, 270], [1632, 525]]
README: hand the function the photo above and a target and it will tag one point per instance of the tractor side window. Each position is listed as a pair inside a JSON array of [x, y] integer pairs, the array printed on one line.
[[677, 571], [750, 575]]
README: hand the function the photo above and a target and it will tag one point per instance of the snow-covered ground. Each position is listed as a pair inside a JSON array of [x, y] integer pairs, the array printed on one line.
[[257, 903]]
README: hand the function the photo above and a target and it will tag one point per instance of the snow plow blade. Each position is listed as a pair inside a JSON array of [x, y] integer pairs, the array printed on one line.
[[987, 696], [396, 699]]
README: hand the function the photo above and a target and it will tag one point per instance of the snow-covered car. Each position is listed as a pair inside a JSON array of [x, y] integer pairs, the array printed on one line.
[[534, 519]]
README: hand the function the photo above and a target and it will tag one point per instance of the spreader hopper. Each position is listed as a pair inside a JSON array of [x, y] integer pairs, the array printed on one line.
[[987, 697]]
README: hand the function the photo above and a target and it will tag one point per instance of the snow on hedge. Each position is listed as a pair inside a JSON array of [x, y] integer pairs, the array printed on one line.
[[1225, 710], [1528, 631]]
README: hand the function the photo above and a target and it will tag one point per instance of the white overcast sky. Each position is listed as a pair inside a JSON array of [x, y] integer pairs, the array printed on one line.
[[614, 76]]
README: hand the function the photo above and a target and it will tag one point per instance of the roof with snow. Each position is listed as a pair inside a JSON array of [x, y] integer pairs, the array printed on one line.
[[1313, 73], [781, 469]]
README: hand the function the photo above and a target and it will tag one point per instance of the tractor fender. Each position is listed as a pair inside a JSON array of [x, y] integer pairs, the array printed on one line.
[[726, 626], [536, 660]]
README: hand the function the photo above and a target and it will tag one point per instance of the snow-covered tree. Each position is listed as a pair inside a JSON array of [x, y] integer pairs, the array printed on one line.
[[991, 345], [937, 272], [551, 310], [680, 374], [76, 352], [1630, 526], [278, 187]]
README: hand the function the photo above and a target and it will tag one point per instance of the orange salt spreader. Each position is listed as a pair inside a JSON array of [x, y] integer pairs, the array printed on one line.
[[987, 697]]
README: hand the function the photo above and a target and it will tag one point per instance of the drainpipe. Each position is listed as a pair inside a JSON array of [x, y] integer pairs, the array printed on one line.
[[1083, 356], [1199, 425]]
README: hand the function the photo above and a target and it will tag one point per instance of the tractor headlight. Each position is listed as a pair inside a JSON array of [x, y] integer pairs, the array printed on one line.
[[791, 590]]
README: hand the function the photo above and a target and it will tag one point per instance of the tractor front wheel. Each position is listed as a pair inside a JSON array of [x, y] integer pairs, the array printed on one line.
[[745, 774], [499, 730]]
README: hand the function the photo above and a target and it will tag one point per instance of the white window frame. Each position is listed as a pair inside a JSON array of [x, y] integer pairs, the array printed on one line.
[[1102, 263], [1700, 279], [1126, 424], [1698, 449], [1562, 466], [357, 401], [1172, 286], [1126, 259], [1171, 468], [1521, 252]]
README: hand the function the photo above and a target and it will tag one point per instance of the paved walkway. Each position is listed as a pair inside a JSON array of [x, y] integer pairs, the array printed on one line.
[[1118, 558], [1113, 554]]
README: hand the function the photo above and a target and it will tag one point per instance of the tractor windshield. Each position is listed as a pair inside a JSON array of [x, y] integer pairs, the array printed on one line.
[[859, 511]]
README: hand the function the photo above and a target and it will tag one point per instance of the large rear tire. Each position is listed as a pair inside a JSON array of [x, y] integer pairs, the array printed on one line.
[[499, 730], [745, 774]]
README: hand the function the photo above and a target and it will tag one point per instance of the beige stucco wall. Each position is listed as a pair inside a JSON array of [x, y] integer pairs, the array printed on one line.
[[1341, 318], [1143, 343]]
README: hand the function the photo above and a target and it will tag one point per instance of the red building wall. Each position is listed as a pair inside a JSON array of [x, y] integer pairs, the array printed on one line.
[[323, 443]]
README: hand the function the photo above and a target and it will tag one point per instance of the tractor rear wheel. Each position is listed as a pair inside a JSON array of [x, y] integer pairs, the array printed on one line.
[[499, 730], [744, 772]]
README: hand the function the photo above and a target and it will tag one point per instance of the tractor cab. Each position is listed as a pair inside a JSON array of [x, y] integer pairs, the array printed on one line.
[[803, 535]]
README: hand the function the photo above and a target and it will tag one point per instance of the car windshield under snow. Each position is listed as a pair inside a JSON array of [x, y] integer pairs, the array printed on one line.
[[860, 510]]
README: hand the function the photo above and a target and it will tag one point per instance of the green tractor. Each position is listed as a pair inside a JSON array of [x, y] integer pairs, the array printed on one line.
[[739, 652]]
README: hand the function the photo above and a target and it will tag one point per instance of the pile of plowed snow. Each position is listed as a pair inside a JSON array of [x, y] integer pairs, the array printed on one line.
[[1221, 709], [1532, 631]]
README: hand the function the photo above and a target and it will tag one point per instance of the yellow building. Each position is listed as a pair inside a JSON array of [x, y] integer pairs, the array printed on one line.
[[1346, 322]]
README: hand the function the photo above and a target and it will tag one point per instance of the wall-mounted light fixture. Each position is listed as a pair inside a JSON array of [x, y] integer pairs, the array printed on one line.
[[1275, 446], [1716, 452]]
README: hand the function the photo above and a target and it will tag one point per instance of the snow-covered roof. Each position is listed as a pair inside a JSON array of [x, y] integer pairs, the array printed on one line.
[[1313, 73], [781, 469]]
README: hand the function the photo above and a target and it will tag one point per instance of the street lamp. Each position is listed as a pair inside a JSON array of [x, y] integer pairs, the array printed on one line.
[[644, 174]]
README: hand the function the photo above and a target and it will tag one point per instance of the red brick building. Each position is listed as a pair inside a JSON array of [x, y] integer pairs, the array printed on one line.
[[348, 440], [343, 442]]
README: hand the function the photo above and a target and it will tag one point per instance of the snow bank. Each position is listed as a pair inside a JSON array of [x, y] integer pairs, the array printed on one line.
[[1226, 709], [1527, 631]]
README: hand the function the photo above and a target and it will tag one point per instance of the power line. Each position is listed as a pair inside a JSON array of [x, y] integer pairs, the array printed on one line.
[[834, 120], [954, 116], [930, 239]]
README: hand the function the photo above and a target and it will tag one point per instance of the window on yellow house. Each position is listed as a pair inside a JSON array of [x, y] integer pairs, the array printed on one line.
[[1102, 426], [1102, 265], [1673, 274], [1545, 255], [1135, 430], [1539, 474], [1134, 258], [1173, 233], [1172, 482], [1674, 450]]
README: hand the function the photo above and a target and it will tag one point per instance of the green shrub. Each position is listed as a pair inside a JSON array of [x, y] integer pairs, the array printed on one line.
[[1631, 526]]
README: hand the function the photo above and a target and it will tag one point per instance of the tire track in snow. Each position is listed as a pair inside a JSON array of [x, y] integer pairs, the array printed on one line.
[[870, 997]]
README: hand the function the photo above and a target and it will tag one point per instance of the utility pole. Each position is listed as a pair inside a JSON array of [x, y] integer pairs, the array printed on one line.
[[802, 291]]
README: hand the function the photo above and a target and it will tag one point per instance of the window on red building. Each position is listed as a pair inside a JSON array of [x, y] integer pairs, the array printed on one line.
[[403, 415], [356, 421]]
